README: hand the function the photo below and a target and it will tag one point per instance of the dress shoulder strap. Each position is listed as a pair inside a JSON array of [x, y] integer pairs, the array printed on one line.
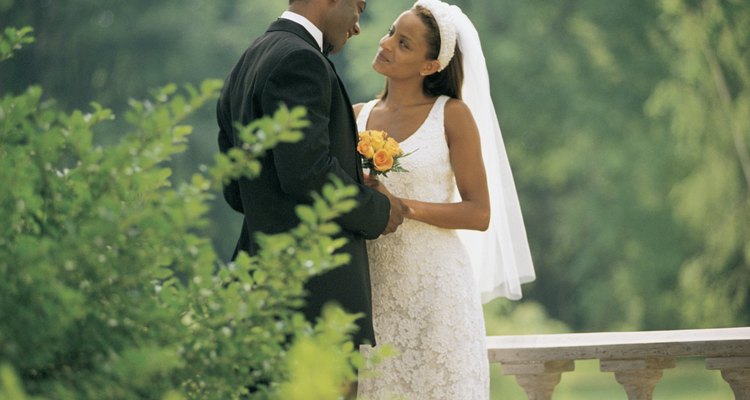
[[440, 104], [364, 114], [436, 118], [441, 101]]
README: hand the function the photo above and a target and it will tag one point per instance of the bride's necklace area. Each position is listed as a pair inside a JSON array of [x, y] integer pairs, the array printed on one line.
[[401, 121]]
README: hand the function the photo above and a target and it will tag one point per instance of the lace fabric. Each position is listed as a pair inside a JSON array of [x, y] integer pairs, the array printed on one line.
[[425, 303]]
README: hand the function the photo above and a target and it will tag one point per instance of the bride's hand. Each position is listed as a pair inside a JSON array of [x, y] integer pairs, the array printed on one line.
[[380, 187], [371, 181]]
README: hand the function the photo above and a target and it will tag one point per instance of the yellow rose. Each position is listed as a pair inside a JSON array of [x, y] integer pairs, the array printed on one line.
[[382, 161], [377, 138], [392, 147], [365, 148]]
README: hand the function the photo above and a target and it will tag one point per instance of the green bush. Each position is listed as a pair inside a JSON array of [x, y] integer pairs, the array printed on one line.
[[107, 291]]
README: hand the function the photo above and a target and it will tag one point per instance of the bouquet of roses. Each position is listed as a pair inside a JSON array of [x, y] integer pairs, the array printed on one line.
[[380, 153]]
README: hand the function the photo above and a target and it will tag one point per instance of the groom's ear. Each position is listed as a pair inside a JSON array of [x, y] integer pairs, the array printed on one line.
[[429, 68]]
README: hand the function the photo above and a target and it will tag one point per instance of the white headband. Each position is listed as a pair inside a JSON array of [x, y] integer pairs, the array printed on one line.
[[443, 14]]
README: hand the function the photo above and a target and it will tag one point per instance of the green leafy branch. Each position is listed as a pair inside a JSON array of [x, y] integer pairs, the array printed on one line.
[[260, 135], [13, 39]]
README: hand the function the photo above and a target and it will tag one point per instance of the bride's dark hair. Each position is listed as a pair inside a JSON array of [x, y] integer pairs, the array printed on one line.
[[448, 81]]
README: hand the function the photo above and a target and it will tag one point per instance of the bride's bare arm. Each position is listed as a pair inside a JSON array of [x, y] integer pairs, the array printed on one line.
[[473, 211]]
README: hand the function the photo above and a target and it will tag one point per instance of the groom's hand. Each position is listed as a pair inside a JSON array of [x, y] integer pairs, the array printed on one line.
[[398, 211]]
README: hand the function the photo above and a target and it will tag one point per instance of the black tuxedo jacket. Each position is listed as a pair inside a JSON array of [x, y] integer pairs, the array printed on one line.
[[286, 66]]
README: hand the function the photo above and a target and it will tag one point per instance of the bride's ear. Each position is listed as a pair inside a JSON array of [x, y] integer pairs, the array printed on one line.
[[429, 68]]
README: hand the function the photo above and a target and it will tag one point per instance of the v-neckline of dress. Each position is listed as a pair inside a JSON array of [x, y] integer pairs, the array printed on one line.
[[427, 118]]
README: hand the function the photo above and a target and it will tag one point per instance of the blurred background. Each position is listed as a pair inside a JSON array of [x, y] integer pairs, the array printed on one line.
[[627, 125]]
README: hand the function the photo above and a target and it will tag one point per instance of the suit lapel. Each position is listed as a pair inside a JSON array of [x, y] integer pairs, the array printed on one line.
[[351, 119]]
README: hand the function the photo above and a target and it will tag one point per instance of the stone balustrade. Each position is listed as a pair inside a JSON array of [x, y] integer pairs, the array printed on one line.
[[636, 358]]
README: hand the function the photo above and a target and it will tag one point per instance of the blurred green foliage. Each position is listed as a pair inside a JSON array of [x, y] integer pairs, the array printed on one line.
[[626, 125], [705, 101], [109, 291]]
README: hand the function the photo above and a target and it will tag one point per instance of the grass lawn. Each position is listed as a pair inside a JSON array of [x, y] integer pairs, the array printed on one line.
[[690, 380]]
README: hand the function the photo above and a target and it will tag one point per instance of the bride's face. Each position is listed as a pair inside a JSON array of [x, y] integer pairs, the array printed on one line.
[[403, 50]]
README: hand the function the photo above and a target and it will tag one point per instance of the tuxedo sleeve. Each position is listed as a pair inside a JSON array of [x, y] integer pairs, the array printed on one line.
[[231, 190], [302, 79]]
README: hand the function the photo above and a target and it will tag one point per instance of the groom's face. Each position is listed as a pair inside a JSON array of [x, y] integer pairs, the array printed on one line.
[[342, 22]]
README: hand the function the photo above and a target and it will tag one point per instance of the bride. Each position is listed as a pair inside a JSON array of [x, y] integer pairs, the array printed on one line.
[[430, 277]]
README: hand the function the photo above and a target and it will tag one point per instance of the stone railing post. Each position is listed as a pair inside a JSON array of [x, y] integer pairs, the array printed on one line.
[[638, 377], [538, 378], [734, 370]]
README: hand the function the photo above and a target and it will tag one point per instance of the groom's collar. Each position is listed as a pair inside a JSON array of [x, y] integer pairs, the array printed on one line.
[[309, 26]]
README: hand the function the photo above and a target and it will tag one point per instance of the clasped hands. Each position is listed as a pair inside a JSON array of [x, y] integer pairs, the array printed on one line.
[[399, 210]]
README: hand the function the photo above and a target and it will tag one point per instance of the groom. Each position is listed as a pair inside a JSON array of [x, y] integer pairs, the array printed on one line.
[[288, 65]]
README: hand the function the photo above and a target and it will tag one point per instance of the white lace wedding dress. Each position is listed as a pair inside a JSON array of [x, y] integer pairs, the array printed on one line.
[[424, 299]]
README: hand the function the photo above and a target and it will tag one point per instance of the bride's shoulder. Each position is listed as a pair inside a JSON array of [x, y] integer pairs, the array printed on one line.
[[458, 121], [456, 108]]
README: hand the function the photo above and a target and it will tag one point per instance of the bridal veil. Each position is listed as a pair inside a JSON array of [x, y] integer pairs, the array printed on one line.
[[500, 256]]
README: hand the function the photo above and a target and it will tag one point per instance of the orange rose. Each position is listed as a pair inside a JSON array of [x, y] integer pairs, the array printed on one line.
[[382, 161], [365, 148], [392, 147]]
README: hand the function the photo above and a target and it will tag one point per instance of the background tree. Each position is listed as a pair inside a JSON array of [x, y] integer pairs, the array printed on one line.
[[593, 172], [706, 102]]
